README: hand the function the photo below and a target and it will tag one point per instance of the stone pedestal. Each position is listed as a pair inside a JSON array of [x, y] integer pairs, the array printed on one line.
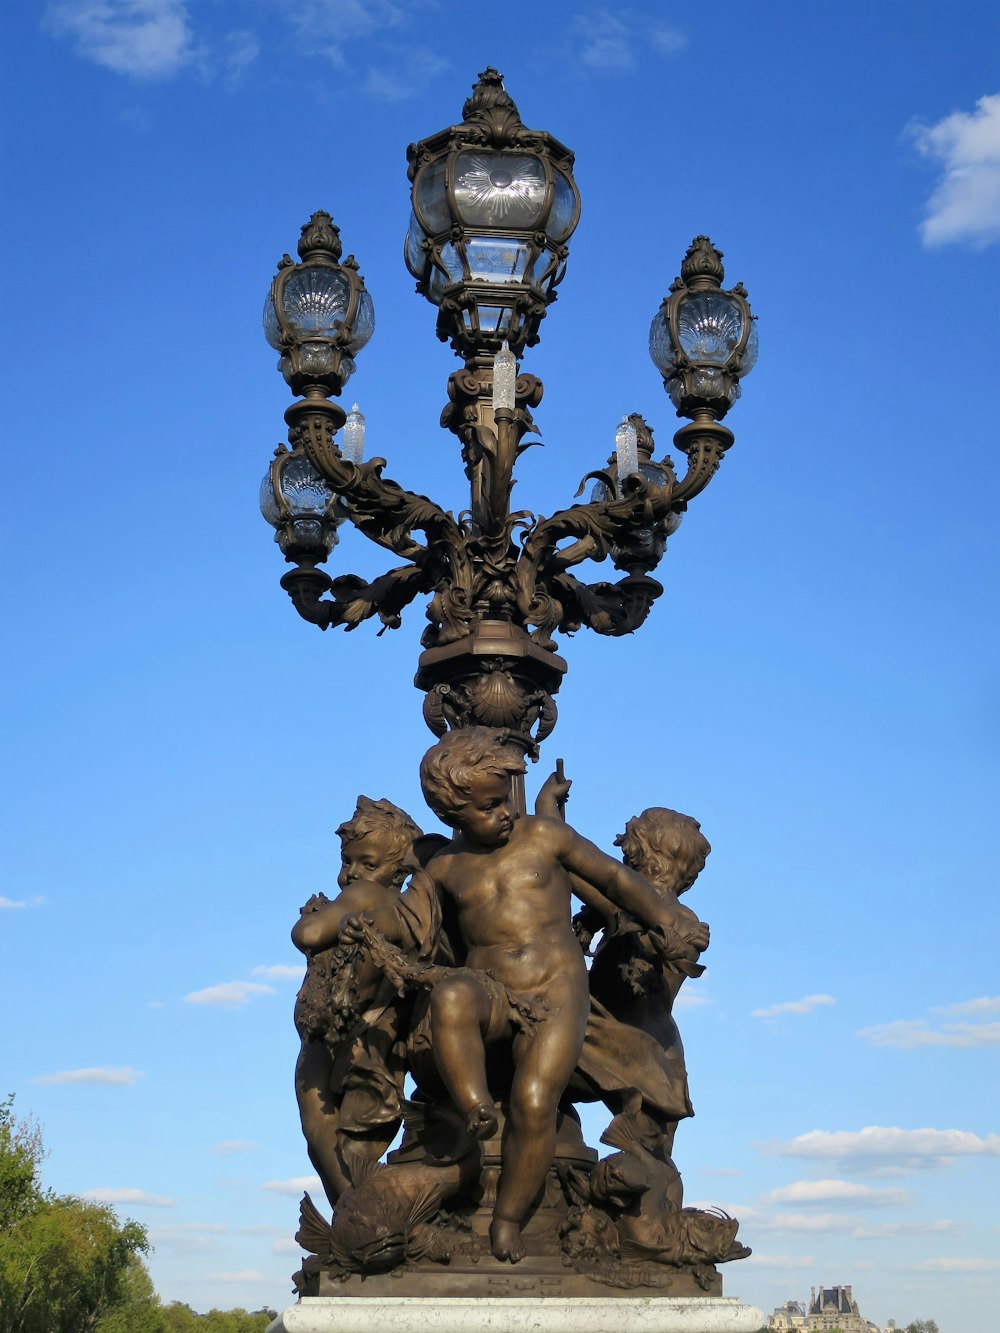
[[363, 1314]]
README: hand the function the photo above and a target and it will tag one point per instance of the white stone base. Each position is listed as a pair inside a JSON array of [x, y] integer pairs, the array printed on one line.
[[543, 1314]]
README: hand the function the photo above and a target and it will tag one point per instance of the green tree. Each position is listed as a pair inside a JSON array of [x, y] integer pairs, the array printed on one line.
[[65, 1263], [922, 1326]]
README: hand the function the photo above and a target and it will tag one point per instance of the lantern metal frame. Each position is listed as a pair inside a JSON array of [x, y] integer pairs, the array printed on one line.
[[500, 583]]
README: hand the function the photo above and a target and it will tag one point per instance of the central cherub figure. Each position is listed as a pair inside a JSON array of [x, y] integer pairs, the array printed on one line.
[[507, 877]]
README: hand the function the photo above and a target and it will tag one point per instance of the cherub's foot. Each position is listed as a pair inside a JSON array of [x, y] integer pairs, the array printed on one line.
[[481, 1122], [505, 1240]]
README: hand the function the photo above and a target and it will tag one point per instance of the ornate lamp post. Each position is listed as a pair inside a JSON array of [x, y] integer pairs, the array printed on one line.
[[494, 207]]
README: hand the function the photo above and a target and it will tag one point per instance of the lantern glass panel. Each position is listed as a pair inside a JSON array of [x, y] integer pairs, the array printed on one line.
[[560, 224], [268, 504], [750, 351], [497, 259], [364, 322], [430, 197], [709, 326], [661, 347], [500, 189], [494, 318], [314, 301], [415, 255], [272, 329], [305, 490]]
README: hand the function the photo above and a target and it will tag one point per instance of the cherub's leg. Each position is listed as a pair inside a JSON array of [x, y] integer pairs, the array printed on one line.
[[460, 1016], [545, 1060], [320, 1117]]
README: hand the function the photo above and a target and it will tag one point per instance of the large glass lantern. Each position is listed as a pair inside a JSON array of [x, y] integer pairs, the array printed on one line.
[[318, 314], [301, 506], [703, 340], [494, 205]]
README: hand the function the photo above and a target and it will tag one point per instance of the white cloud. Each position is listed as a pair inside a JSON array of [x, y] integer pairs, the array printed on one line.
[[105, 1195], [286, 1247], [243, 1275], [804, 1006], [959, 1265], [295, 1185], [408, 76], [985, 1007], [795, 1261], [910, 1148], [837, 1191], [123, 1077], [235, 1145], [889, 1230], [965, 205], [691, 999], [229, 994], [906, 1034], [144, 39], [806, 1222], [281, 971], [613, 42], [19, 904], [721, 1171]]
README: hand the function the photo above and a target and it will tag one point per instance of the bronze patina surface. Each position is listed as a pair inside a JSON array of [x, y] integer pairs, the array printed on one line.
[[450, 990]]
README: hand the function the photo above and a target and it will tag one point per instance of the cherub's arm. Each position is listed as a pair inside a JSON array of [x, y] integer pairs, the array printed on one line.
[[320, 928], [550, 802], [595, 870]]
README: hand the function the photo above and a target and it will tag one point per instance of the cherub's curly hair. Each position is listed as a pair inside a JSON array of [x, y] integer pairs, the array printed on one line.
[[447, 769], [393, 828], [666, 847]]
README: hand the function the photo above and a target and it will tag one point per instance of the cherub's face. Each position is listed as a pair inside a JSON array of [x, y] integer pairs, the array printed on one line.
[[487, 818], [366, 858]]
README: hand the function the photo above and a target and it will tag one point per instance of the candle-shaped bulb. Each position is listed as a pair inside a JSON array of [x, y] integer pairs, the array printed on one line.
[[627, 450], [354, 436], [504, 378]]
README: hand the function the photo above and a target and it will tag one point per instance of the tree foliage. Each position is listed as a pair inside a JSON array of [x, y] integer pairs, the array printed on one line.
[[68, 1265], [922, 1326]]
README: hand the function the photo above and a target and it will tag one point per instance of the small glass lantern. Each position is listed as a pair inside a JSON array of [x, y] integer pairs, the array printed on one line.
[[301, 506], [494, 205], [318, 314], [703, 340], [644, 547]]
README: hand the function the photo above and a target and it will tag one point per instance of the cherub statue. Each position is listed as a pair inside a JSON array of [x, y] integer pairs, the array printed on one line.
[[351, 1021], [508, 881]]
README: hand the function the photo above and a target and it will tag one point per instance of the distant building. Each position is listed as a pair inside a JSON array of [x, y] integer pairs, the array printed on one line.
[[828, 1308]]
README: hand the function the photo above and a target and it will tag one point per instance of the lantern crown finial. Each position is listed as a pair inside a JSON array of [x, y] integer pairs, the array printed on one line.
[[320, 238], [492, 110], [702, 265]]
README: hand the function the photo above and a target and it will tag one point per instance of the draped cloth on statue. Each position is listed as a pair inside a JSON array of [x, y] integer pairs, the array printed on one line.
[[627, 1067]]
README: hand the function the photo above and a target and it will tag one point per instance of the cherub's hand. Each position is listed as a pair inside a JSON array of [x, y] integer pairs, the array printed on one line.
[[353, 927], [553, 795]]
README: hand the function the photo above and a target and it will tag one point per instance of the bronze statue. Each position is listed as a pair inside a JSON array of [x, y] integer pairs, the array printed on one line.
[[473, 980]]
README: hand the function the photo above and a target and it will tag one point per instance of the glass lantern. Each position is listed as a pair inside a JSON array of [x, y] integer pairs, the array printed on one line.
[[703, 339], [318, 314], [494, 205], [643, 548], [301, 506]]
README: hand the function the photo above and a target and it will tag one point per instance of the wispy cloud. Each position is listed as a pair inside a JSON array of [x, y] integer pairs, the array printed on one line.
[[837, 1191], [229, 994], [876, 1145], [950, 1265], [793, 1261], [914, 1034], [19, 904], [235, 1145], [295, 1185], [122, 1077], [804, 1006], [404, 76], [721, 1171], [286, 1246], [692, 999], [984, 1007], [241, 1275], [106, 1195], [143, 39], [613, 43], [965, 204], [280, 971]]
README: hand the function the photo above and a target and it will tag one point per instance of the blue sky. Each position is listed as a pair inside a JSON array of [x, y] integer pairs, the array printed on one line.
[[818, 684]]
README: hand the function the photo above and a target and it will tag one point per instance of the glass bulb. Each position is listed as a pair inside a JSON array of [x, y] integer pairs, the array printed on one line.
[[504, 378], [627, 450], [354, 436]]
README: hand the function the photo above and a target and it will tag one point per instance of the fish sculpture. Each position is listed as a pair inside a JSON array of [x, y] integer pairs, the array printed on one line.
[[384, 1218]]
